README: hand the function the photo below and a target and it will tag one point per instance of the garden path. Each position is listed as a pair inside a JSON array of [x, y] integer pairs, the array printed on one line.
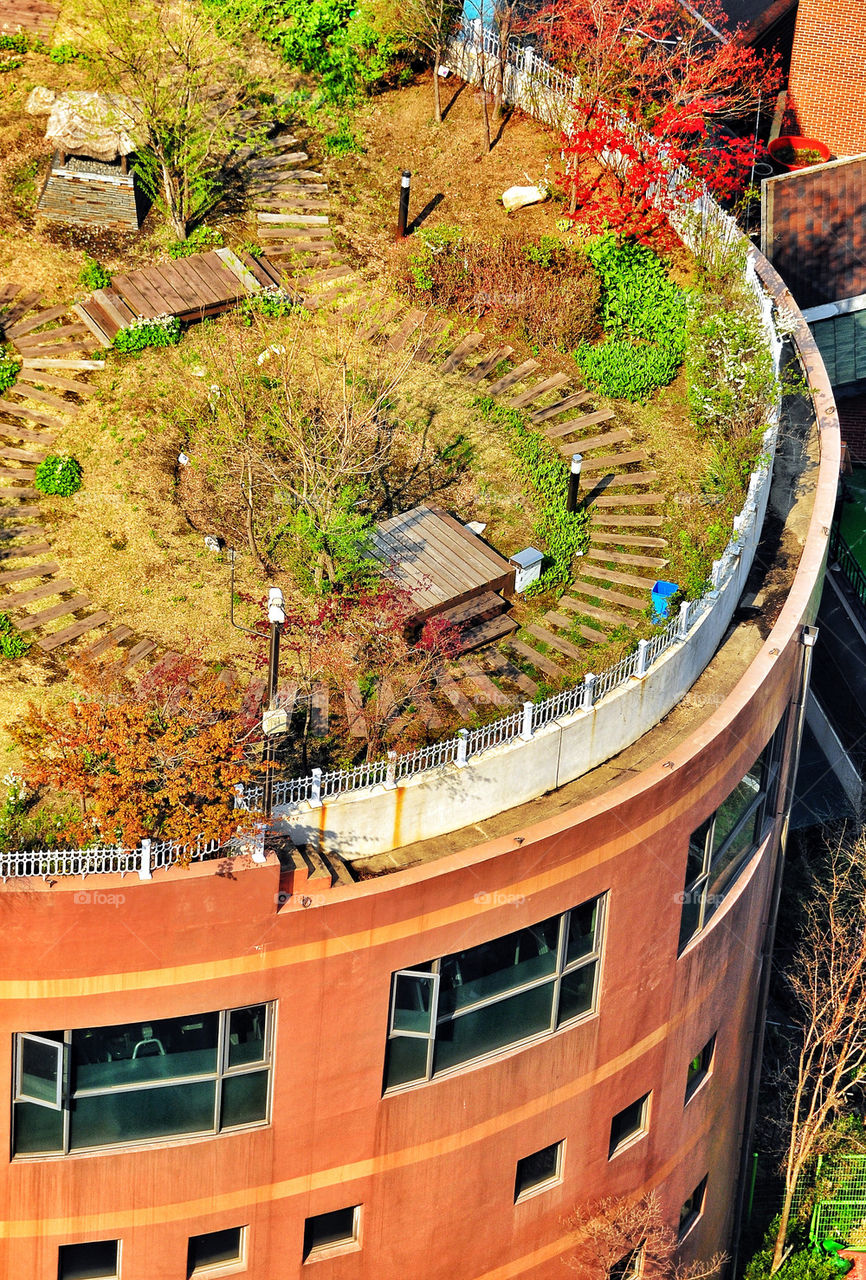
[[35, 17]]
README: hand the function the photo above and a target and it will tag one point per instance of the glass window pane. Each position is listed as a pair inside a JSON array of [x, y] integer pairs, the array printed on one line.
[[690, 918], [328, 1229], [37, 1129], [582, 925], [96, 1260], [500, 965], [132, 1053], [412, 1010], [628, 1123], [538, 1169], [245, 1098], [246, 1033], [732, 809], [214, 1249], [577, 992], [506, 1022], [40, 1076], [406, 1060], [730, 863], [100, 1119]]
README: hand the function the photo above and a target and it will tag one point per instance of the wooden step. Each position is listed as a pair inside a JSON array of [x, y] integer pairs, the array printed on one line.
[[478, 609], [354, 704], [554, 641], [134, 655], [538, 660], [294, 218], [626, 539], [72, 632], [23, 473], [584, 588], [593, 611], [455, 695], [631, 500], [609, 461], [264, 163], [488, 632], [33, 571], [624, 557], [511, 379], [480, 681], [21, 553], [561, 406], [614, 575], [486, 366], [89, 365], [31, 415], [43, 317], [498, 663], [604, 441], [567, 624], [404, 331], [461, 352], [625, 521], [577, 424], [539, 389], [55, 380], [37, 340], [319, 711], [56, 587], [621, 481], [23, 455], [19, 309], [31, 620], [28, 392], [106, 642], [13, 432]]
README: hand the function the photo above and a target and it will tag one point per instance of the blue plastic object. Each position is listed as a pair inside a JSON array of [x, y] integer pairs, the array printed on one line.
[[662, 594]]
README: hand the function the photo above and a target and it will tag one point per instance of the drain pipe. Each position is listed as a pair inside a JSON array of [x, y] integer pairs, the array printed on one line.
[[808, 637]]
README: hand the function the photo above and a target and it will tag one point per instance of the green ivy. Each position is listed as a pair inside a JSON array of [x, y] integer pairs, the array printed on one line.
[[644, 316], [93, 276], [162, 331], [562, 533], [12, 643], [58, 474], [198, 241]]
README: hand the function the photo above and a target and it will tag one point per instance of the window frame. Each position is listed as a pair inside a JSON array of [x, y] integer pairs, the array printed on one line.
[[218, 1075], [563, 968], [349, 1244], [696, 1213], [707, 1056], [61, 1070], [758, 811], [629, 1140], [230, 1265], [632, 1264], [115, 1275], [545, 1184]]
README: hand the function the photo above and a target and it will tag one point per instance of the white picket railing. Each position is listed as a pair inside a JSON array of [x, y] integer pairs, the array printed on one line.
[[149, 856]]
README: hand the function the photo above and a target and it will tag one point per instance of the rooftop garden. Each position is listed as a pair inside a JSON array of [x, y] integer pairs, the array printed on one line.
[[262, 447]]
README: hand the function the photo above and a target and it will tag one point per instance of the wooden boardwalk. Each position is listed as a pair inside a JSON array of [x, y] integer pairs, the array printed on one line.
[[204, 284]]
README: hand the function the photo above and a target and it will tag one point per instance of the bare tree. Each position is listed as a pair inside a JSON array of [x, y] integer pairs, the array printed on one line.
[[617, 1230], [185, 89], [827, 978], [429, 23]]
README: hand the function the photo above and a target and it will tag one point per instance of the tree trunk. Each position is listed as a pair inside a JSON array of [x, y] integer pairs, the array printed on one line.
[[779, 1246], [437, 91], [178, 225], [485, 107]]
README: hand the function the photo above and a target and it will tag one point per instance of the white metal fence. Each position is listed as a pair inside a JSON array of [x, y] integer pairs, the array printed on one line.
[[149, 856]]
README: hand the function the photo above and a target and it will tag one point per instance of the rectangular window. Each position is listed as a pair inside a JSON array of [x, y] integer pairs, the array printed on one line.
[[629, 1267], [95, 1260], [628, 1125], [539, 1171], [722, 845], [215, 1251], [699, 1068], [329, 1233], [141, 1081], [476, 1002], [692, 1209]]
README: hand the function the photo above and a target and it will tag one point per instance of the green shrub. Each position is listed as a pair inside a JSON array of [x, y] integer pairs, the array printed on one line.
[[538, 463], [271, 302], [161, 331], [343, 141], [66, 52], [58, 474], [92, 276], [644, 317], [9, 369], [19, 42], [12, 643], [198, 241], [729, 370]]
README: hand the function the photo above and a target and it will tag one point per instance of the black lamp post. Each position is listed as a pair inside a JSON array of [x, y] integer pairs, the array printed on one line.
[[573, 481], [403, 210]]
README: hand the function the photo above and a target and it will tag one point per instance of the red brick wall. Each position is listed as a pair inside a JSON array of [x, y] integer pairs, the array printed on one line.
[[852, 423], [828, 74]]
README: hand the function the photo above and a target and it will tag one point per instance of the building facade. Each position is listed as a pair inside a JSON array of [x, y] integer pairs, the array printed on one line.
[[425, 1073]]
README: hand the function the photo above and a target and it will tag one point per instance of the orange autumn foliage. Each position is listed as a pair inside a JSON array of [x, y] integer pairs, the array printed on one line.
[[159, 761]]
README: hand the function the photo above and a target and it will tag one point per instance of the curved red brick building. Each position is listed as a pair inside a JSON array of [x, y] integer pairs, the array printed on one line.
[[422, 1074]]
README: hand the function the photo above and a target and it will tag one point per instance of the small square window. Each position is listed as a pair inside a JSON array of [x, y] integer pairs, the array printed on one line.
[[628, 1125], [95, 1260], [699, 1068], [328, 1233], [215, 1251], [629, 1267], [539, 1171], [692, 1209]]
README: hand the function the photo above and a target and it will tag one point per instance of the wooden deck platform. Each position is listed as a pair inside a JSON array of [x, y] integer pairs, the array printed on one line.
[[439, 563], [33, 16], [203, 284]]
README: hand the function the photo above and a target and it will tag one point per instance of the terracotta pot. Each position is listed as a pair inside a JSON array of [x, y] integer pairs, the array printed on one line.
[[797, 145]]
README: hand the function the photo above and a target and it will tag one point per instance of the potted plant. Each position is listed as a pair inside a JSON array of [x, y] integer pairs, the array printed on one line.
[[791, 151]]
